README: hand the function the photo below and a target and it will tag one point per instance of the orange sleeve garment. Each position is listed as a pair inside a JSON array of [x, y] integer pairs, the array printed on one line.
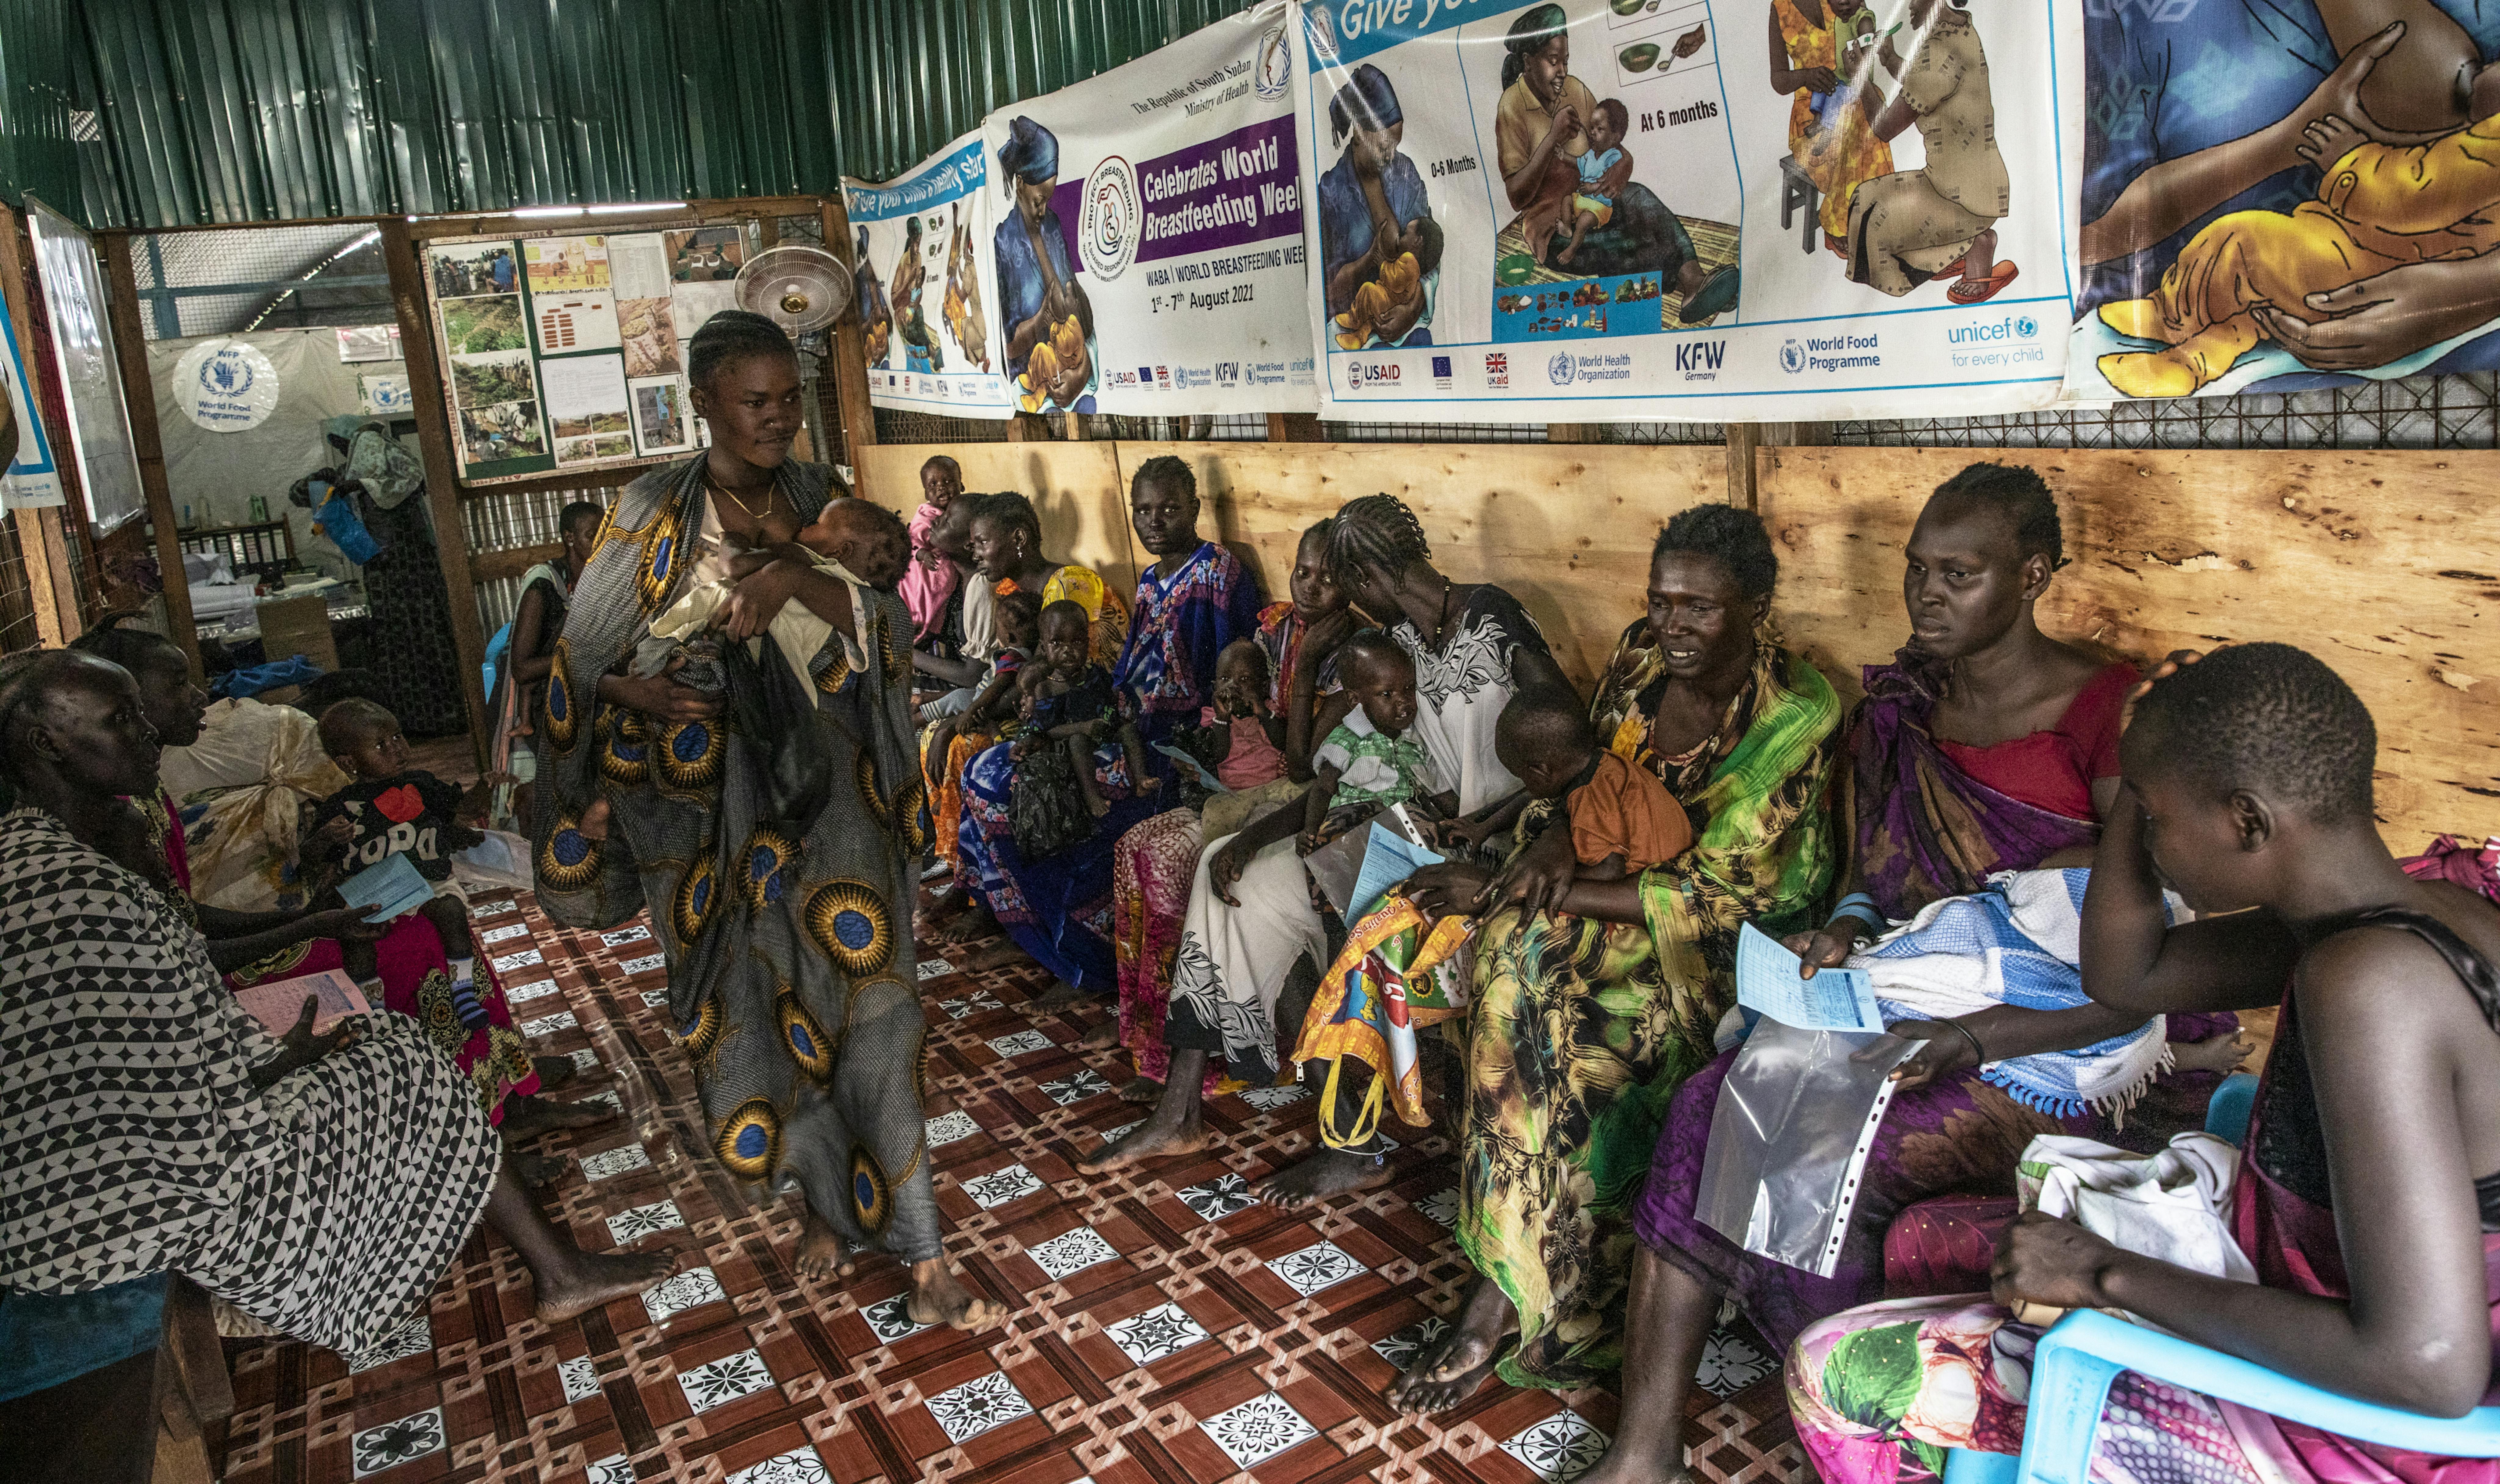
[[1624, 810]]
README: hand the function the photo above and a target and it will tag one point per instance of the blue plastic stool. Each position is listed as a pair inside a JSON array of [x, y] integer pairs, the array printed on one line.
[[2084, 1353]]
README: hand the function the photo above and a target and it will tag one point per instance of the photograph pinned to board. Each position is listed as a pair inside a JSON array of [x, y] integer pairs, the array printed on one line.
[[477, 327], [503, 434], [588, 409], [707, 254], [648, 330], [566, 265], [368, 342], [577, 320], [692, 304], [499, 376], [466, 270], [662, 423]]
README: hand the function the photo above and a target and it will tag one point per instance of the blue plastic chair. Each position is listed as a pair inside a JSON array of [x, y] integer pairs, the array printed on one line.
[[2083, 1353]]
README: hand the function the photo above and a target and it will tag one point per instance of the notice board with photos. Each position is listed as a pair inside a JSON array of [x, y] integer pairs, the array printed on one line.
[[566, 350]]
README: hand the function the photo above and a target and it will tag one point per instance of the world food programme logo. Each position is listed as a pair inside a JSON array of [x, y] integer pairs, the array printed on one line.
[[1275, 63], [1110, 225], [1559, 369], [2026, 327], [226, 374], [1792, 357]]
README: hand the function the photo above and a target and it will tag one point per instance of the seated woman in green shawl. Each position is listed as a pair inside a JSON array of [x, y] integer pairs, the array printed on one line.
[[1593, 999]]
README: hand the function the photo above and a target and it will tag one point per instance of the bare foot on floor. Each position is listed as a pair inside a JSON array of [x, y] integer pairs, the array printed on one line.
[[1102, 1037], [993, 956], [970, 923], [1158, 1137], [822, 1251], [1621, 1465], [553, 1071], [1327, 1172], [1448, 1371], [939, 1297], [527, 1118], [537, 1170], [1060, 997], [589, 1280], [1141, 1089]]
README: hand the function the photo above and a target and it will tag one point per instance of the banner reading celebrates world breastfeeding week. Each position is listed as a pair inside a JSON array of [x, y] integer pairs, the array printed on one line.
[[922, 245], [1608, 210], [1150, 233]]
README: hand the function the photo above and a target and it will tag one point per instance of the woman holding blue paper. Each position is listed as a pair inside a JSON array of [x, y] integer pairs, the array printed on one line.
[[1987, 746]]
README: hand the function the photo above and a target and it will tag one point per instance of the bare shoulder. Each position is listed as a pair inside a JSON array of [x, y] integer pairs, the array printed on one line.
[[2393, 982]]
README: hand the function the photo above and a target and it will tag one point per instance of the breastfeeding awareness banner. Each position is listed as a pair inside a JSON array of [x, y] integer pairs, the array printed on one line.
[[2282, 197], [922, 247], [1604, 209], [1150, 233]]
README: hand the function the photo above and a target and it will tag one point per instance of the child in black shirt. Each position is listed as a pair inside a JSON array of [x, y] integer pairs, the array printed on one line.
[[394, 810]]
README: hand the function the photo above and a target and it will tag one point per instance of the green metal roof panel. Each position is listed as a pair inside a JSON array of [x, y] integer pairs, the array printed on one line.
[[219, 111]]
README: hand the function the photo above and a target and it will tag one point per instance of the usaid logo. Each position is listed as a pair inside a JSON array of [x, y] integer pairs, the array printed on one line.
[[1792, 357], [1362, 374], [1109, 224], [1559, 369], [1123, 378]]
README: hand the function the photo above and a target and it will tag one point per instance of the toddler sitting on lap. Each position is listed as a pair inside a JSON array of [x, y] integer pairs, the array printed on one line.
[[1623, 820], [392, 809]]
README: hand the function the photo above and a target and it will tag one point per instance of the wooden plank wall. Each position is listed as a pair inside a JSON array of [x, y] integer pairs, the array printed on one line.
[[1566, 528], [2385, 565]]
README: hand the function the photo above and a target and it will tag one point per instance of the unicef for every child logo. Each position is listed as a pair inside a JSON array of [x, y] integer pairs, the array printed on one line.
[[1109, 225]]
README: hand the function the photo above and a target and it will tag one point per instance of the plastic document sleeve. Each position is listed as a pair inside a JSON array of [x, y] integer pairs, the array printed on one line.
[[1789, 1140]]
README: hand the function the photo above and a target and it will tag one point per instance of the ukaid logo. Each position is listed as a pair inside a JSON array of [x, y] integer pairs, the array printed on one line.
[[1441, 374], [1162, 378], [1275, 71], [1228, 373], [1109, 225], [1496, 369], [1700, 360]]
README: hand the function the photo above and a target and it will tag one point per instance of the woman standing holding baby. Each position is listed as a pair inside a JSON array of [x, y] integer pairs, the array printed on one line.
[[790, 940]]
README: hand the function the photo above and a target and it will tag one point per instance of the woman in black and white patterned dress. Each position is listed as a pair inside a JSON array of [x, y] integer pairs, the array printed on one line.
[[320, 1184]]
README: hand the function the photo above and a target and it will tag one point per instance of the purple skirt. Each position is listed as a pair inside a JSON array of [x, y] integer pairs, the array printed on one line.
[[1959, 1136]]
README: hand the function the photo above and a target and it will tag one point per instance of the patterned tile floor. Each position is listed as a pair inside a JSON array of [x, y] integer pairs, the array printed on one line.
[[1164, 1327]]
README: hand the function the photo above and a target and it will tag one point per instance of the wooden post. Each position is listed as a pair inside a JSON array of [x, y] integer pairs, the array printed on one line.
[[848, 364], [139, 391], [1027, 428], [1573, 433], [41, 541], [1742, 439], [426, 386], [1075, 425], [1295, 428]]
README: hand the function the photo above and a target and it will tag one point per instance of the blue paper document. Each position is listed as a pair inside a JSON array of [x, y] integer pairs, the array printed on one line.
[[1205, 780], [1390, 859], [394, 886], [1766, 981]]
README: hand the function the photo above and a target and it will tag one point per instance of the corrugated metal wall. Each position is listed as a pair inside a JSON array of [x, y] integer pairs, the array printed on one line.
[[221, 111], [911, 75]]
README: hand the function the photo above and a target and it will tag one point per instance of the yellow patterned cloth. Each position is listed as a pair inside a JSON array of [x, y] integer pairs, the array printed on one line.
[[1834, 158]]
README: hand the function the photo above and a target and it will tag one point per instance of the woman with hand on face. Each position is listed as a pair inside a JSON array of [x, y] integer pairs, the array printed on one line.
[[2367, 1195], [1194, 599], [1985, 746], [320, 1184], [1593, 999], [790, 941]]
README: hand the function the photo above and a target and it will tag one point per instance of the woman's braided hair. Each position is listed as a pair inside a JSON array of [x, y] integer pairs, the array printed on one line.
[[21, 686], [1007, 509], [732, 335], [1378, 531]]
